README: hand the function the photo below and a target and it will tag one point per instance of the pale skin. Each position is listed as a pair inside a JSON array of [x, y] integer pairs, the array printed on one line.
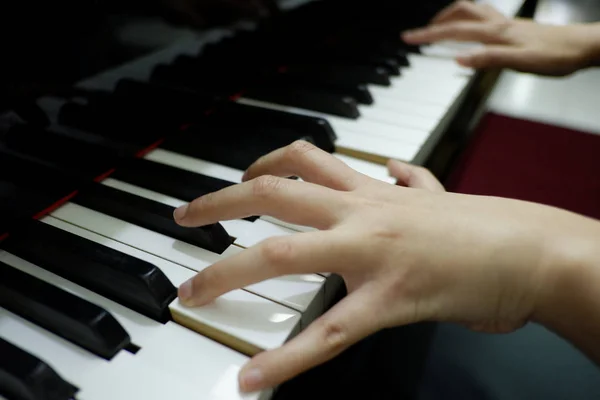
[[408, 253], [515, 43], [413, 252]]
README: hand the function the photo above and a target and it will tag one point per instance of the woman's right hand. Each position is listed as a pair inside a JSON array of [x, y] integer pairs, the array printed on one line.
[[408, 252], [519, 44]]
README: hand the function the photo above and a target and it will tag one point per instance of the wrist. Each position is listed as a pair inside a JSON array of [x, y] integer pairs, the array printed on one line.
[[569, 302]]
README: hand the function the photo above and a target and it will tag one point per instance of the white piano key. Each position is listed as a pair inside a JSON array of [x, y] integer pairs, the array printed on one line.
[[297, 293], [207, 376], [303, 293], [399, 118], [365, 126], [424, 64], [373, 147], [375, 171], [424, 109], [254, 323], [195, 165], [364, 137], [194, 258]]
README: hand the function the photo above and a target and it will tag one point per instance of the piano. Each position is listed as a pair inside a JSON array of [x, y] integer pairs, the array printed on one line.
[[90, 257]]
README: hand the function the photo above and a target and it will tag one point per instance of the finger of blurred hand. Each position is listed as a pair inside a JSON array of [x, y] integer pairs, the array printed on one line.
[[459, 31], [296, 202], [308, 162], [352, 319], [414, 176], [301, 253], [496, 57], [461, 10]]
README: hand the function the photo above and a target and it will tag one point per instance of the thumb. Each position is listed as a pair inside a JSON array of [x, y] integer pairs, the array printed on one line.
[[495, 56], [414, 176], [350, 320]]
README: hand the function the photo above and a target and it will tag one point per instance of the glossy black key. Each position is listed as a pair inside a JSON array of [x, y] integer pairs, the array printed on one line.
[[346, 74], [110, 122], [359, 92], [172, 181], [263, 87], [129, 281], [185, 105], [24, 376], [316, 100], [82, 158], [68, 316], [152, 215], [137, 210], [188, 108], [257, 74]]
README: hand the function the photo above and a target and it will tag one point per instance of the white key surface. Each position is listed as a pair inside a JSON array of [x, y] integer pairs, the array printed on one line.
[[254, 324], [303, 293], [175, 251], [197, 369]]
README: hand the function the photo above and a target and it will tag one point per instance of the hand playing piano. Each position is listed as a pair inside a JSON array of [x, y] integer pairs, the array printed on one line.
[[409, 252], [519, 44]]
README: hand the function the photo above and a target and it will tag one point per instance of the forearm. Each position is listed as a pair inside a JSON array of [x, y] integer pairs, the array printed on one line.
[[572, 305], [592, 43]]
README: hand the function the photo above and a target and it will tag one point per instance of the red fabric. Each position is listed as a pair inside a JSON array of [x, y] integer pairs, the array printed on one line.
[[527, 160]]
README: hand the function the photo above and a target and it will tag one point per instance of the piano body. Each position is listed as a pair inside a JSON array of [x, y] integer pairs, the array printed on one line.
[[90, 258]]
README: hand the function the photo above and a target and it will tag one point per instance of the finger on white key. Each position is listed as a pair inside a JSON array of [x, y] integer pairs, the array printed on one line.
[[304, 293], [243, 320]]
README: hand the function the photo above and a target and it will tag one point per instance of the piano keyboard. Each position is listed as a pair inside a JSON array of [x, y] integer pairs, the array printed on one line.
[[88, 287]]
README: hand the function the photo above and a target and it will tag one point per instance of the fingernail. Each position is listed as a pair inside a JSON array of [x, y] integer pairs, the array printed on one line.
[[186, 291], [252, 380], [179, 212]]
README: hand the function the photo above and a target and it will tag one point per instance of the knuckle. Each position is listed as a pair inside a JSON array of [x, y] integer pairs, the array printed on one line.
[[387, 234], [278, 252], [423, 172], [298, 149], [463, 5], [335, 336], [266, 185]]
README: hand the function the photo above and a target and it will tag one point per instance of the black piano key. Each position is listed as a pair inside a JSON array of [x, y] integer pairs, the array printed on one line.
[[359, 92], [127, 280], [152, 215], [17, 204], [210, 76], [24, 376], [82, 158], [316, 100], [233, 143], [172, 181], [66, 315], [348, 74], [184, 106], [107, 120], [263, 74], [137, 210]]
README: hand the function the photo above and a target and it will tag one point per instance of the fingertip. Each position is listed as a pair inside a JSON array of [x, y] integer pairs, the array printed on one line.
[[246, 176], [186, 293], [395, 168], [409, 36], [180, 213], [251, 379]]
